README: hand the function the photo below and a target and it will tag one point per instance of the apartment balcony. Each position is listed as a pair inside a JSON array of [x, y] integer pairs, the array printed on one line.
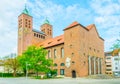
[[108, 68], [108, 63]]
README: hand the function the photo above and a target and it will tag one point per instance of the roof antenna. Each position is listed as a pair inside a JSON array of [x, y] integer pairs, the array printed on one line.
[[25, 4], [25, 11]]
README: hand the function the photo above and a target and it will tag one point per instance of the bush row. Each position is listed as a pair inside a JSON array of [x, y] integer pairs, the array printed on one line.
[[10, 74]]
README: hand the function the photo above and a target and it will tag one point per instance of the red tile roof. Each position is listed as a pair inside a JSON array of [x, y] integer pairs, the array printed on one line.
[[71, 25], [115, 52], [52, 42], [60, 39], [89, 27]]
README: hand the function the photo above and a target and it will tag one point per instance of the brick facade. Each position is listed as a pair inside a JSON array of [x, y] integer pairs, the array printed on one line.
[[78, 52]]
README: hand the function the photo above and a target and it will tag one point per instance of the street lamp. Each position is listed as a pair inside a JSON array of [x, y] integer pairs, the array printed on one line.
[[27, 69]]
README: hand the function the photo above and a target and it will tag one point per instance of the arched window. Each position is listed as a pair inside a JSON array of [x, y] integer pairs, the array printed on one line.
[[55, 64], [43, 37], [40, 36], [34, 34], [62, 64], [37, 35], [55, 53], [62, 52], [49, 54]]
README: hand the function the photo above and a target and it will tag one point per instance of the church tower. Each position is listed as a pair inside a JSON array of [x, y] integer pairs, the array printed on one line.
[[47, 29], [25, 26]]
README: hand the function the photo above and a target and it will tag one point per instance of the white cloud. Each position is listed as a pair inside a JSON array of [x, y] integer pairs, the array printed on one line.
[[104, 13], [109, 42], [105, 22], [107, 18], [58, 14], [105, 7], [8, 25]]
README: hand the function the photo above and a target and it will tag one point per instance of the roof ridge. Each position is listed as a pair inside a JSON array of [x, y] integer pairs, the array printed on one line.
[[90, 26], [72, 24], [52, 41]]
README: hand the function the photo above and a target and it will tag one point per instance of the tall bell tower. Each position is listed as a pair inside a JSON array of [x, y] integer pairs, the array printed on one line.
[[46, 27], [25, 25]]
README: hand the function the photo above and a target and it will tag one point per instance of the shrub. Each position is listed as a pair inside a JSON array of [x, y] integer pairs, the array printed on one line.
[[10, 74], [6, 74]]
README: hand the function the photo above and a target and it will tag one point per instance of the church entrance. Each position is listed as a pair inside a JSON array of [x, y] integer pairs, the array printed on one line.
[[73, 74]]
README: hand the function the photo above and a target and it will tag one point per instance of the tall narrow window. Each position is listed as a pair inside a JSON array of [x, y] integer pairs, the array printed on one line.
[[34, 34], [62, 52], [55, 53], [49, 54], [37, 35]]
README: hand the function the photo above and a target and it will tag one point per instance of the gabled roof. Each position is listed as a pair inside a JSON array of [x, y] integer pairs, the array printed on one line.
[[71, 25], [89, 27], [52, 42], [60, 39]]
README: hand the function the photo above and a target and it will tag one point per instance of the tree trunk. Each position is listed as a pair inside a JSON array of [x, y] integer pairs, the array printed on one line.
[[14, 73], [24, 70], [36, 73]]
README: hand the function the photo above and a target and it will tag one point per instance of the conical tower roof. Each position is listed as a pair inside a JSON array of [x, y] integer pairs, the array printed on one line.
[[25, 11], [46, 21]]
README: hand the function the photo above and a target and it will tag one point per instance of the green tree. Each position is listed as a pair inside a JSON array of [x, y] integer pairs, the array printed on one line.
[[116, 46], [36, 58], [13, 64]]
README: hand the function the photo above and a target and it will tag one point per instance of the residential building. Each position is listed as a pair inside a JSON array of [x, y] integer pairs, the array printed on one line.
[[113, 62], [108, 62]]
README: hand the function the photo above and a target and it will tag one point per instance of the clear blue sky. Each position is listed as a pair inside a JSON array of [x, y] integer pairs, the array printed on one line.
[[105, 14]]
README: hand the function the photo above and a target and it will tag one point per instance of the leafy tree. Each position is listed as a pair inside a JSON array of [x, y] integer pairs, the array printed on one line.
[[12, 63], [116, 46], [36, 58]]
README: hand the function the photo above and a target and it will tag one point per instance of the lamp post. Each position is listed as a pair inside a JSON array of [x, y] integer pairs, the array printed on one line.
[[27, 69]]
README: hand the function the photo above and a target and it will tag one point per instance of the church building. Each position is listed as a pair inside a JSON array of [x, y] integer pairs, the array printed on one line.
[[78, 52]]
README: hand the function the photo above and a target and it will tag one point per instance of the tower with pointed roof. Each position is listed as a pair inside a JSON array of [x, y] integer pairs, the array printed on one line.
[[46, 27], [24, 30], [78, 52]]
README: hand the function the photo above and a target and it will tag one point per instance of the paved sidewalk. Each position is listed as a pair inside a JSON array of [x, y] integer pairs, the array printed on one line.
[[58, 81]]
